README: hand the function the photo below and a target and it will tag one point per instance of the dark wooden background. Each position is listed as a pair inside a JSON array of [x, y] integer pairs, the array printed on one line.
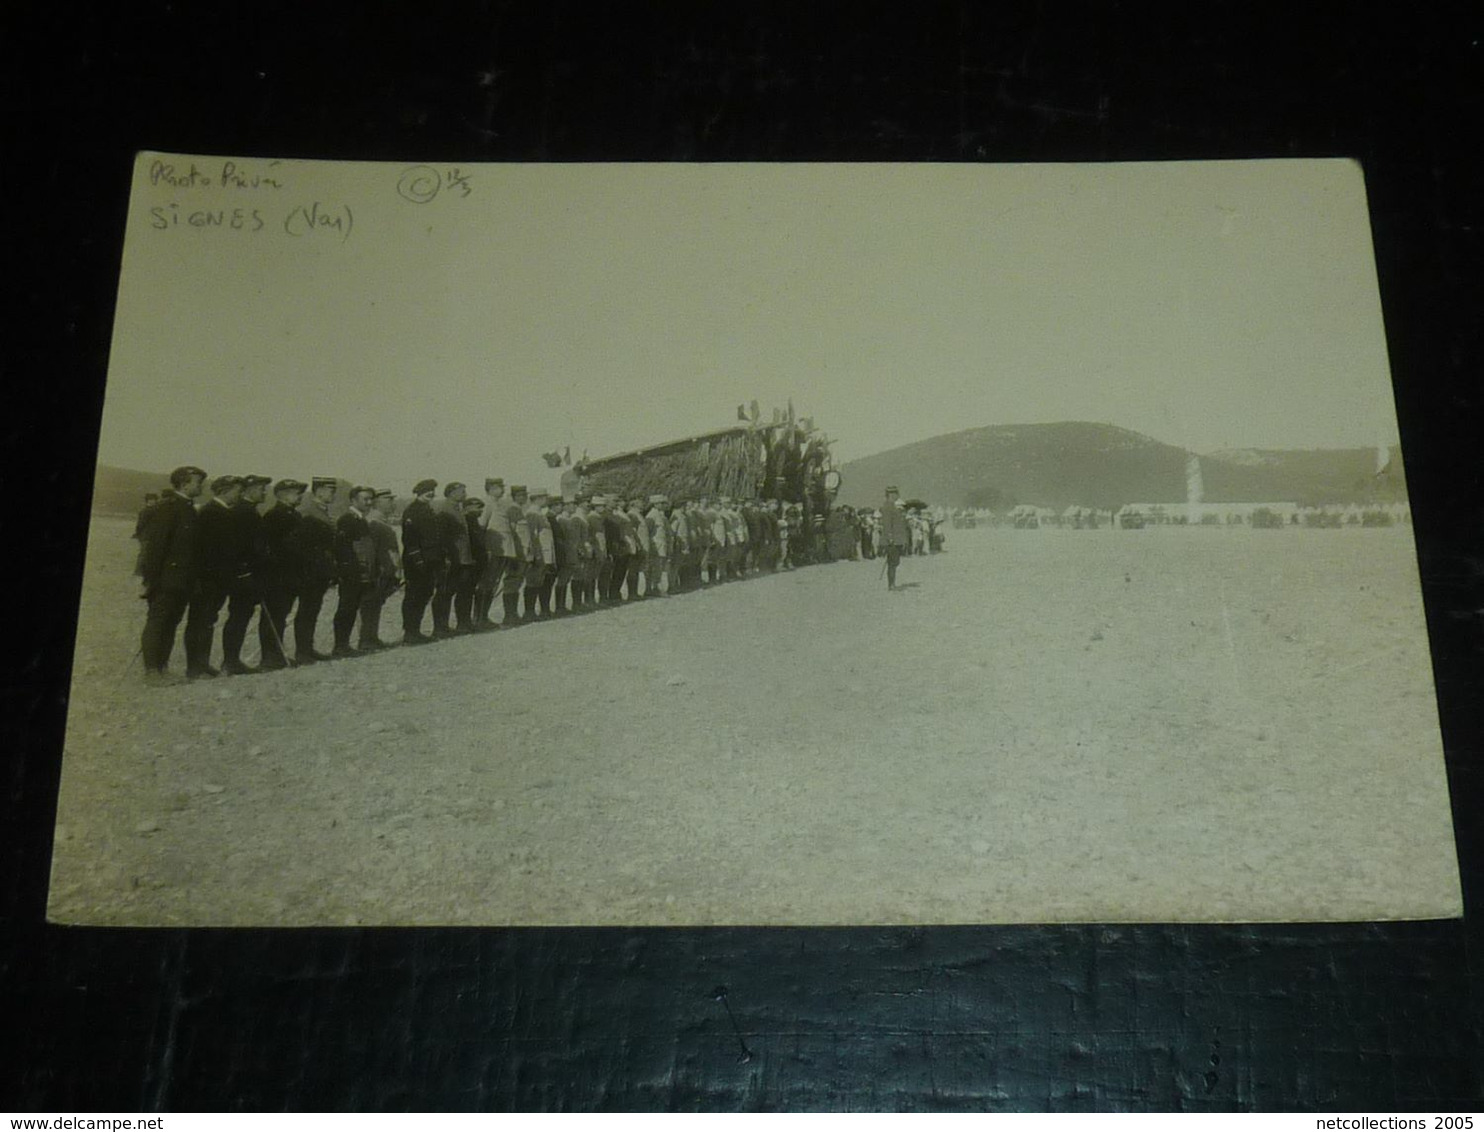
[[1378, 1017]]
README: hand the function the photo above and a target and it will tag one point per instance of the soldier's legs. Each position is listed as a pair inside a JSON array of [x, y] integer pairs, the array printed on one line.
[[443, 588], [463, 595], [893, 557], [240, 606], [200, 628], [484, 592], [166, 608], [306, 619], [510, 590], [548, 583], [417, 591], [273, 623], [371, 606], [346, 608]]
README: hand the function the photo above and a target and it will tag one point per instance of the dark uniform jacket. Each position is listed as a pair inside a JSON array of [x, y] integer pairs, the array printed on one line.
[[168, 561], [355, 552], [477, 544], [422, 545], [280, 547], [454, 528], [221, 556], [894, 530], [314, 543], [249, 522]]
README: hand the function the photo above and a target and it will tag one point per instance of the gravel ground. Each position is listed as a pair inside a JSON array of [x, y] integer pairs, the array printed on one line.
[[1169, 724]]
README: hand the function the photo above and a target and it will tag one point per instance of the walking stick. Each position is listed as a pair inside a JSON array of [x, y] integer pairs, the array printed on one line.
[[277, 638]]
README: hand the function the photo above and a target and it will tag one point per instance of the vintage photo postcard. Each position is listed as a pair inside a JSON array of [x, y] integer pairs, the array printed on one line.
[[765, 544]]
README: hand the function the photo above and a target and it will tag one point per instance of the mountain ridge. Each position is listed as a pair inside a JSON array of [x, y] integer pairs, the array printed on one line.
[[1094, 464]]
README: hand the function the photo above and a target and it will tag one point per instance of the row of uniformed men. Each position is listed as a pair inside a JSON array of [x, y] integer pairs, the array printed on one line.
[[457, 554], [571, 554]]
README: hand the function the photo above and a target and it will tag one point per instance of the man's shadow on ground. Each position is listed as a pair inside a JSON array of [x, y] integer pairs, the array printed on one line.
[[906, 586]]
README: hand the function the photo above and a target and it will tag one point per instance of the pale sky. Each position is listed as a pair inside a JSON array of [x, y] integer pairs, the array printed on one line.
[[606, 307]]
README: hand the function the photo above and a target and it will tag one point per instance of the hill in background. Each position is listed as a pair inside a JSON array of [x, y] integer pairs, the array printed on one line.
[[1100, 465]]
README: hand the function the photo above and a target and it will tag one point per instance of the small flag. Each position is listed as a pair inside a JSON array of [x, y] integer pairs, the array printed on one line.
[[553, 459]]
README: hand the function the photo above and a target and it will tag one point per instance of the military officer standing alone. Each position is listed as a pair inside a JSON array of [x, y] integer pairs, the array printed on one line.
[[895, 535], [167, 568], [315, 550]]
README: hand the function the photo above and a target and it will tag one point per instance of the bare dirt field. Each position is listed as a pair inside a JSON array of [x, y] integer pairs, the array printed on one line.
[[1168, 724]]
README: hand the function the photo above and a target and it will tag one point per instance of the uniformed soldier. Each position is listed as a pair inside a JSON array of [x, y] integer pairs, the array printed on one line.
[[167, 568], [517, 554], [540, 553], [658, 580], [559, 515], [388, 568], [586, 572], [151, 501], [498, 542], [895, 535], [639, 563], [457, 558], [246, 592], [221, 566], [281, 571], [315, 550], [465, 599], [715, 535], [355, 564], [422, 559]]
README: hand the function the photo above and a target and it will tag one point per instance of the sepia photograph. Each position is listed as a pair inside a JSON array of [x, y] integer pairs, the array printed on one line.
[[816, 544]]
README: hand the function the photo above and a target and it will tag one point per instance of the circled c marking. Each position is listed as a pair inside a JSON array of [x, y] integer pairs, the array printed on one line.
[[419, 184]]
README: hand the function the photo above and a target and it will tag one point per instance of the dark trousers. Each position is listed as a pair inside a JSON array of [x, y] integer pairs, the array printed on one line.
[[356, 597], [166, 608], [466, 577], [617, 572], [273, 622], [512, 575], [443, 590], [241, 603], [200, 628], [416, 594], [893, 557], [306, 620], [371, 614]]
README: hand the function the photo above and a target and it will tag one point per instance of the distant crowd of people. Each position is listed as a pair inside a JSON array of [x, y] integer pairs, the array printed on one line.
[[852, 533], [541, 556]]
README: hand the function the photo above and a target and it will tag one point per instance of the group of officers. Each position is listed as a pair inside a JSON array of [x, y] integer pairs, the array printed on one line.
[[543, 556]]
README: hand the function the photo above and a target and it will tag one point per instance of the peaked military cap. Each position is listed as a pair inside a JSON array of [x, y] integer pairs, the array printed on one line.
[[360, 487], [422, 487], [290, 485], [452, 486], [386, 493], [225, 483], [494, 481], [256, 481], [891, 489], [474, 503], [517, 489], [324, 481]]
